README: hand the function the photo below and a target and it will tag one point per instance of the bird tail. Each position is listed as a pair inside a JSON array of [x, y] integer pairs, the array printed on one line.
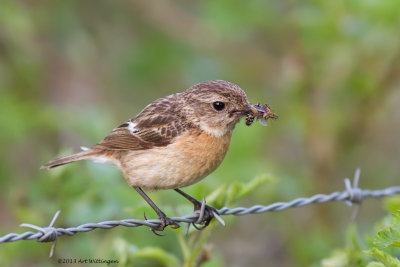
[[71, 158]]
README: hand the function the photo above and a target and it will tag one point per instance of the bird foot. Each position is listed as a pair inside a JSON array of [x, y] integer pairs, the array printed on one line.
[[206, 214], [165, 221]]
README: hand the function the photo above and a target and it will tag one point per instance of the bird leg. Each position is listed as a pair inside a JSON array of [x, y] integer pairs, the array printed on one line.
[[165, 221], [208, 211]]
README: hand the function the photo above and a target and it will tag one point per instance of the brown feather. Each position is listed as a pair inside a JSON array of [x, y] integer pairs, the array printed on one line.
[[71, 158], [156, 125]]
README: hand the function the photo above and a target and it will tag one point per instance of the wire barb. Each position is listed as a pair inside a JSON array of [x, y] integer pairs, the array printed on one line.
[[219, 219], [352, 195], [355, 193], [49, 233], [202, 209]]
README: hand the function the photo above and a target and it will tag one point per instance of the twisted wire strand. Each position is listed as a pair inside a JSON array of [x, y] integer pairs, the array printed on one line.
[[352, 195], [192, 218]]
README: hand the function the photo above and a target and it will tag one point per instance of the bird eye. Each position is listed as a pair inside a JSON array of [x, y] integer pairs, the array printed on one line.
[[218, 105]]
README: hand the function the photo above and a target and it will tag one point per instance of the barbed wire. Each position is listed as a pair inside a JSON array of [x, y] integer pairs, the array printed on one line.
[[352, 195]]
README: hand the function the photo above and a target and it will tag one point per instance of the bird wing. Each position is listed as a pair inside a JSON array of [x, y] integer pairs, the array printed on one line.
[[156, 126], [124, 139]]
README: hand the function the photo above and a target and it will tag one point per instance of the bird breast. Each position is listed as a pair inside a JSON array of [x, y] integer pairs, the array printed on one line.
[[191, 157]]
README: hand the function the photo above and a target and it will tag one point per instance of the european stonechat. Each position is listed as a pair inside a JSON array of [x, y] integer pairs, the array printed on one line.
[[175, 141]]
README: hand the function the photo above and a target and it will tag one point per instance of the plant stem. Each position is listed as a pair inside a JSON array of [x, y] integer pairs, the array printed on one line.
[[198, 247], [184, 247]]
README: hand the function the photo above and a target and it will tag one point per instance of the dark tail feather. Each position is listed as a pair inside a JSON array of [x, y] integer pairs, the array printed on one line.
[[71, 158]]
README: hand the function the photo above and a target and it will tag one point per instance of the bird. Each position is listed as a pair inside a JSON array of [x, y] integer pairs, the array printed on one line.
[[174, 142]]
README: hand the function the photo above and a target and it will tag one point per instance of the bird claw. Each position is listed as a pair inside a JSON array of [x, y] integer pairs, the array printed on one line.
[[155, 232], [165, 221], [206, 214], [198, 227]]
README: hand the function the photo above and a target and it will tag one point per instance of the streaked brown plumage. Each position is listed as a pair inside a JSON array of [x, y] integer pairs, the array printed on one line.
[[174, 142]]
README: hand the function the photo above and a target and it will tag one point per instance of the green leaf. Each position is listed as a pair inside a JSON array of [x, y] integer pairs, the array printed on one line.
[[396, 219], [392, 203], [254, 184], [233, 193], [226, 195], [390, 235], [158, 254], [338, 259], [123, 250], [352, 238], [237, 191], [383, 257], [353, 248], [217, 197], [375, 264]]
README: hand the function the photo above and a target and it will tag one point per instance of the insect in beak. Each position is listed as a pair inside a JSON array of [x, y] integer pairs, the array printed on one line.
[[262, 113]]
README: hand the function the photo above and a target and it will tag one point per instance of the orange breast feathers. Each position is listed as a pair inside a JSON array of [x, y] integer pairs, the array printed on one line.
[[187, 160]]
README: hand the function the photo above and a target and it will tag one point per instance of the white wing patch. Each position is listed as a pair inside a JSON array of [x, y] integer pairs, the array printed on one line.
[[84, 148], [101, 159], [131, 127]]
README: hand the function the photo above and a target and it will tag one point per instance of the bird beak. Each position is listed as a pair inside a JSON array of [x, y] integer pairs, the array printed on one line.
[[244, 111]]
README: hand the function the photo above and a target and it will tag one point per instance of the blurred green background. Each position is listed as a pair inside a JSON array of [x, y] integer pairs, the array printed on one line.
[[70, 71]]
